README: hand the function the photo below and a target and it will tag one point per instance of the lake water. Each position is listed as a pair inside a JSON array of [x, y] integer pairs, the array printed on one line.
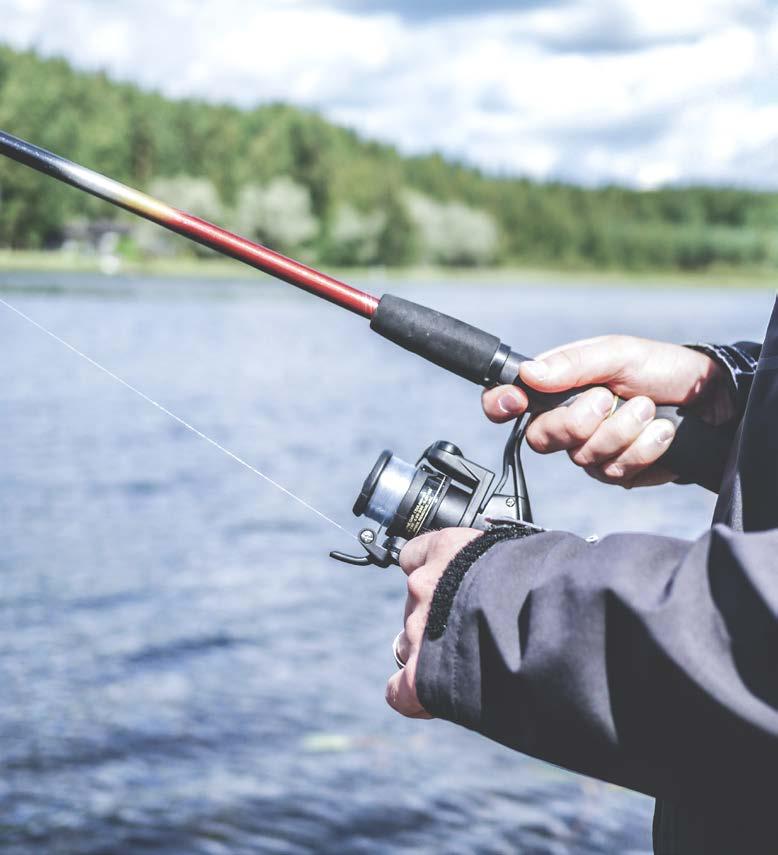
[[183, 669]]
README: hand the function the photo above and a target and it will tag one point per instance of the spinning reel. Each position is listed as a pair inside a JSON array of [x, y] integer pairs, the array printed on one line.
[[443, 490]]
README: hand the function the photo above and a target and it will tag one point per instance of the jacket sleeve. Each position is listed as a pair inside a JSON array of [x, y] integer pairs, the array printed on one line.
[[707, 460], [739, 362], [642, 660]]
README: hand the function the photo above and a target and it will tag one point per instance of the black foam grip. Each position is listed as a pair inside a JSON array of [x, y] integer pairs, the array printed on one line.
[[454, 345]]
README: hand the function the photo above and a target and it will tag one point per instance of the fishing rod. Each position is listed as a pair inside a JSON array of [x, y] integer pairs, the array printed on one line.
[[405, 500], [189, 226]]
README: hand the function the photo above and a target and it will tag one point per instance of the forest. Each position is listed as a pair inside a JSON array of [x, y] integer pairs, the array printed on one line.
[[288, 178]]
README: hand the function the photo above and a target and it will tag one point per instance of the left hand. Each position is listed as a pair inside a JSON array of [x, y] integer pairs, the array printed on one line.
[[423, 559]]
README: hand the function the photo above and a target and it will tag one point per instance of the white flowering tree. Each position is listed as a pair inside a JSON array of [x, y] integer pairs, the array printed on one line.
[[354, 235], [278, 213], [452, 232]]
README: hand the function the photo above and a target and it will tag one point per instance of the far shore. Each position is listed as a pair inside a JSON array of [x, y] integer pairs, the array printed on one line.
[[217, 267]]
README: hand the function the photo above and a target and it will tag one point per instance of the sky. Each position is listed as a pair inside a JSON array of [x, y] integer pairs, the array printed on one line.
[[637, 92]]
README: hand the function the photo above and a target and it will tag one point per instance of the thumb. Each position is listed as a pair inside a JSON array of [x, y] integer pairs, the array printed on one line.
[[592, 361]]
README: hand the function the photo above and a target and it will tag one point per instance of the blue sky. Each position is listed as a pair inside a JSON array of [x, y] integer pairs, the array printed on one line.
[[643, 92]]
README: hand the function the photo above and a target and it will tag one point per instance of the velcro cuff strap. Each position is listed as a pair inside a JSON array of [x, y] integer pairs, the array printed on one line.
[[449, 582]]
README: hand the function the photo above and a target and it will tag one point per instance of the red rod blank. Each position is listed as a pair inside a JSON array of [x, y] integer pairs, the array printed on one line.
[[256, 255]]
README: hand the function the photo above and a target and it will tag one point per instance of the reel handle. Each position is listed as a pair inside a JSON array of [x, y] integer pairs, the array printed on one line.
[[698, 452]]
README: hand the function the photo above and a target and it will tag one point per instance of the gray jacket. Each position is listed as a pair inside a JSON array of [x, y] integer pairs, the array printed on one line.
[[646, 661]]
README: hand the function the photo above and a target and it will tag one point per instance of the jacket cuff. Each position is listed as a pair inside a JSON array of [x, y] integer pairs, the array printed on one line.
[[739, 360], [450, 581], [436, 672]]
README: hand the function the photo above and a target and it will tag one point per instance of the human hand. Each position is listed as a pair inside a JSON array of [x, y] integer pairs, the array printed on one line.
[[623, 448], [423, 559]]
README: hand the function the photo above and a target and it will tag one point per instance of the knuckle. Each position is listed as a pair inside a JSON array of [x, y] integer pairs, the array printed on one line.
[[623, 427], [409, 556], [440, 543], [643, 458], [578, 428], [567, 364], [641, 455], [414, 554], [416, 586], [538, 439], [414, 628], [581, 456]]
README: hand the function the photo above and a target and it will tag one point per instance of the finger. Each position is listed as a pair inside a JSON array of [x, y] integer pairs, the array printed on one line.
[[581, 342], [413, 631], [401, 692], [570, 427], [645, 450], [446, 545], [414, 553], [411, 603], [410, 639], [616, 434], [504, 403], [597, 360], [422, 582], [653, 476]]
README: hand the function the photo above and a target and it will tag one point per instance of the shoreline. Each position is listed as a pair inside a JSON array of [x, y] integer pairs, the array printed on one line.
[[215, 268]]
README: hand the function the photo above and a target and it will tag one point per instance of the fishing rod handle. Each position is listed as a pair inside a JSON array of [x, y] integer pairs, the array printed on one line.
[[697, 453]]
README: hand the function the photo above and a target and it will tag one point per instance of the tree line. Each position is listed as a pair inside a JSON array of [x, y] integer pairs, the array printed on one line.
[[287, 177]]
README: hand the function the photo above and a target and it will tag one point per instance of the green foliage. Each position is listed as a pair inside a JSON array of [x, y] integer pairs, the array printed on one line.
[[398, 241], [291, 179]]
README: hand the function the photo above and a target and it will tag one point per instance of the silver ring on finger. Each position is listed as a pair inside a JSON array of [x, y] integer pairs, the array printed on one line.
[[396, 651]]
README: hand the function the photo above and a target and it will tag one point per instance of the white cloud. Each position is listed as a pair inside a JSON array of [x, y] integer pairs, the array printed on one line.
[[608, 90]]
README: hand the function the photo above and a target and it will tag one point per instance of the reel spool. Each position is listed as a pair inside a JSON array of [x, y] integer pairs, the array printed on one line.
[[442, 490]]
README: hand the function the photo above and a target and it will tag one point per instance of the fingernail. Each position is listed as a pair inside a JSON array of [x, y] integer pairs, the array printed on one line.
[[613, 470], [602, 402], [644, 410], [665, 434], [535, 369], [510, 404]]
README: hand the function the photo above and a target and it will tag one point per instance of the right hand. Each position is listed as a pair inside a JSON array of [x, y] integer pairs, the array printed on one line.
[[623, 448]]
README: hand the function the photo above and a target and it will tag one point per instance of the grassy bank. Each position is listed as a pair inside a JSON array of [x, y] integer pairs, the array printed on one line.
[[217, 267]]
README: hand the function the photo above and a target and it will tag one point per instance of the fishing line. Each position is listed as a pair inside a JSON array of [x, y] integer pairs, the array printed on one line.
[[173, 416]]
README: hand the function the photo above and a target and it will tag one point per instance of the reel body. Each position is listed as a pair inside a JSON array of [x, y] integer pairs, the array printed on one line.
[[442, 490]]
